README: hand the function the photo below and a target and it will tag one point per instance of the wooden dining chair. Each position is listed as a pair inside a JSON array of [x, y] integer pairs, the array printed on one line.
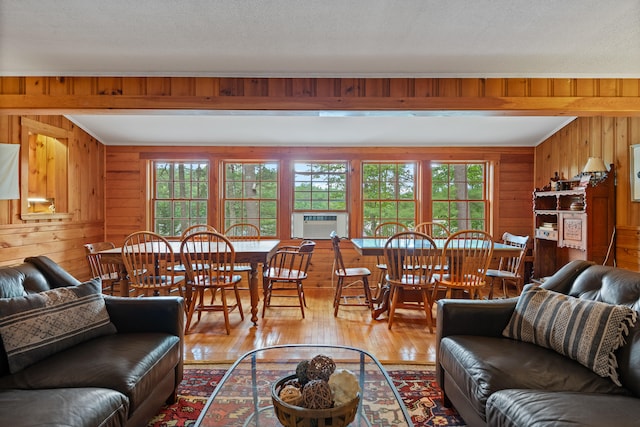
[[410, 257], [149, 261], [245, 232], [385, 230], [209, 258], [197, 228], [466, 255], [510, 269], [434, 229], [178, 267], [357, 277], [109, 273], [284, 276]]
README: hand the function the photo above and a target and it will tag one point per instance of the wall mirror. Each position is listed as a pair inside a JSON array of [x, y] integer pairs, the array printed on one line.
[[44, 178]]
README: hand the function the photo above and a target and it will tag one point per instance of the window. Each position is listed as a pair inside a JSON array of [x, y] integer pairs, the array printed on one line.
[[389, 194], [459, 195], [251, 195], [320, 186], [180, 196]]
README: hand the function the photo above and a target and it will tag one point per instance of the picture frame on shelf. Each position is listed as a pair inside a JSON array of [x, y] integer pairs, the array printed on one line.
[[584, 181], [634, 167]]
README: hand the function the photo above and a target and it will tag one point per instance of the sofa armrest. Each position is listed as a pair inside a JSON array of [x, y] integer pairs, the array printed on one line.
[[470, 317], [55, 275], [154, 314], [563, 279], [473, 317]]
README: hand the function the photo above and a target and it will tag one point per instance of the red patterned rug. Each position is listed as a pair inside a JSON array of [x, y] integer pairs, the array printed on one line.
[[418, 389]]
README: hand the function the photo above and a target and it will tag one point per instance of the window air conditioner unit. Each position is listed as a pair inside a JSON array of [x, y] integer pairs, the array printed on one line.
[[318, 225]]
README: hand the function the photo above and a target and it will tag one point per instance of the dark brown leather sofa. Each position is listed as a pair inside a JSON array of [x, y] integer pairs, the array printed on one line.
[[496, 381], [120, 379]]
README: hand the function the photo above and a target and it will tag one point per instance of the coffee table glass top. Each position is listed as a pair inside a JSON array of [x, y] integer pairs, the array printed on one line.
[[243, 396]]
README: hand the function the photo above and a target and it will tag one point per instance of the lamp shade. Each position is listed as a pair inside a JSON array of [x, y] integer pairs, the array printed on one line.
[[594, 164]]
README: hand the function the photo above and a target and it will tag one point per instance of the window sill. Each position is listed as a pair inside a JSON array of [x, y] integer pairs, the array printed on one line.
[[39, 216]]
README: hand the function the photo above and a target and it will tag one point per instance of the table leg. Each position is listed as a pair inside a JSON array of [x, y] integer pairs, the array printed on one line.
[[254, 292]]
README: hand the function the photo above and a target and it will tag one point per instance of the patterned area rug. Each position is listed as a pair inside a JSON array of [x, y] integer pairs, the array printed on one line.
[[418, 389]]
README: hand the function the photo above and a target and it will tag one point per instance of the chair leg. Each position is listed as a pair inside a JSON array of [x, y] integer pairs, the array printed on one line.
[[367, 292], [517, 283], [337, 296], [372, 298], [394, 301], [301, 298], [225, 310], [238, 301], [304, 299], [428, 306], [200, 303], [380, 280], [191, 309], [491, 285]]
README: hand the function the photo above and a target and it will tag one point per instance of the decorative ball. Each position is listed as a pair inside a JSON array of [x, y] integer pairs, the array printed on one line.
[[293, 382], [301, 372], [316, 394], [320, 368], [291, 394], [344, 386]]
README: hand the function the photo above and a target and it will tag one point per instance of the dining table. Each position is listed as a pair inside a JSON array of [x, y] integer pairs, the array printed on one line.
[[253, 252], [374, 246]]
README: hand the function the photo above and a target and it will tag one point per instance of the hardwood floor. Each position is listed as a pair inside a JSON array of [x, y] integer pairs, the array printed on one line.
[[408, 342]]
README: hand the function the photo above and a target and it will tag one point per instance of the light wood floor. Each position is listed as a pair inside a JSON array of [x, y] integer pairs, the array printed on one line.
[[408, 342]]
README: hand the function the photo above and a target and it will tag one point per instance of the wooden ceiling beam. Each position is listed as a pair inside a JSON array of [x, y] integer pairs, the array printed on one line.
[[74, 95]]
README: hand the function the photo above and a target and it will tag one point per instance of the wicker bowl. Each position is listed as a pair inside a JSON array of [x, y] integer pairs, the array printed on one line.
[[296, 416]]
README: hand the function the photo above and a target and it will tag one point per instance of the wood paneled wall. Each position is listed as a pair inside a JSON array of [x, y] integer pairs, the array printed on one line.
[[61, 240], [606, 102], [567, 152]]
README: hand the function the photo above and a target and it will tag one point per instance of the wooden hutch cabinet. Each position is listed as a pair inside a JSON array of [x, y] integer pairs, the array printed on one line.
[[573, 223]]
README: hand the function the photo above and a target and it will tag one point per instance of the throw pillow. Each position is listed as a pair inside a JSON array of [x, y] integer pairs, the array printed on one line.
[[38, 325], [586, 331]]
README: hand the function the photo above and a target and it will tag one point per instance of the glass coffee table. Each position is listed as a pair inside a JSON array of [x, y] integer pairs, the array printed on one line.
[[243, 396]]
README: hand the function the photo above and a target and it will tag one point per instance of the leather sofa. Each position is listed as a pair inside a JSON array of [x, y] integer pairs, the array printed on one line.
[[492, 380], [118, 379]]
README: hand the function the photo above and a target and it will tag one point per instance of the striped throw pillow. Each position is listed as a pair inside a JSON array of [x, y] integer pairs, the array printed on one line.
[[586, 331], [38, 325]]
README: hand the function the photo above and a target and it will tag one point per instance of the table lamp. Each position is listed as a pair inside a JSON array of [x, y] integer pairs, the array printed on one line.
[[596, 168]]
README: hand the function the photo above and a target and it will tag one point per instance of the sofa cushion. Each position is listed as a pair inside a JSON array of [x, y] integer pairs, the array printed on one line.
[[586, 331], [38, 325], [538, 408], [78, 407], [482, 365], [132, 363]]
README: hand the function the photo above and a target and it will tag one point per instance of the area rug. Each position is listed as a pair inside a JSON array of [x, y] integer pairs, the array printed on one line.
[[418, 389]]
